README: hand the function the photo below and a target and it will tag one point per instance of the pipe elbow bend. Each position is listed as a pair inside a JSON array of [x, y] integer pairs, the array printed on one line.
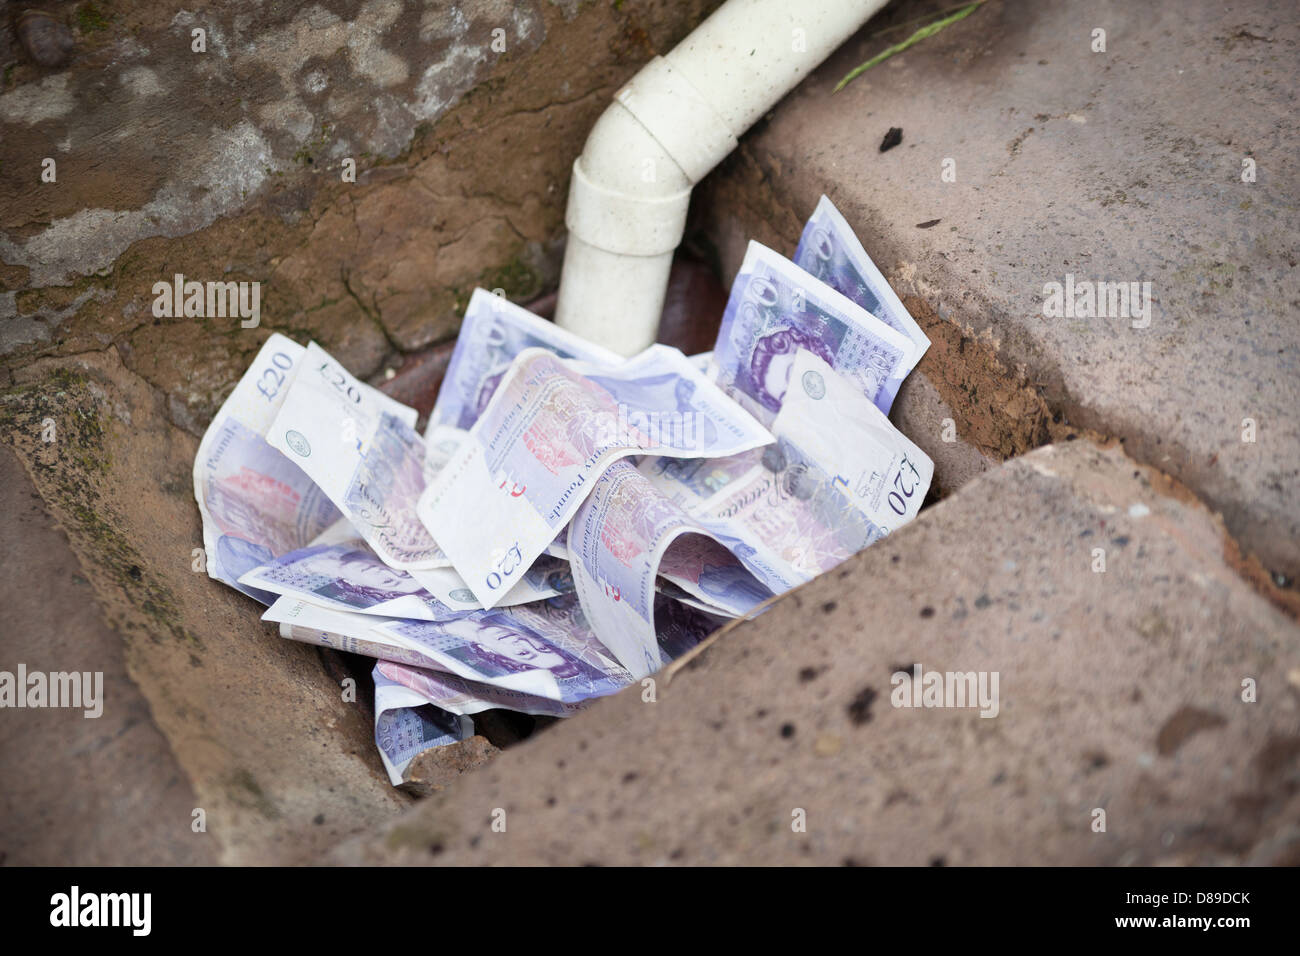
[[632, 183], [628, 199]]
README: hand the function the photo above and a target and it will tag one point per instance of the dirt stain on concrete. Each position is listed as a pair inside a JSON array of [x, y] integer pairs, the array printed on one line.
[[1185, 722]]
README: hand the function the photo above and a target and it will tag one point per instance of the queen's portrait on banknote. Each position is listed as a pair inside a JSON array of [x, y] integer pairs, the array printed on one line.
[[361, 581], [772, 358], [344, 575], [497, 644], [546, 649]]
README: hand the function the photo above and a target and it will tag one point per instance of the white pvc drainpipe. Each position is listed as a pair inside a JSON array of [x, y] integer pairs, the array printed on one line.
[[671, 124]]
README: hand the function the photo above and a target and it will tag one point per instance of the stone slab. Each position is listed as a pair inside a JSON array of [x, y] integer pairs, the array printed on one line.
[[1119, 690], [1117, 166], [258, 732], [77, 791]]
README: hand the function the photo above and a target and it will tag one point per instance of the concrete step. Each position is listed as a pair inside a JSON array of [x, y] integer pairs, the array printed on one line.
[[1118, 166], [98, 790], [1119, 690], [205, 706]]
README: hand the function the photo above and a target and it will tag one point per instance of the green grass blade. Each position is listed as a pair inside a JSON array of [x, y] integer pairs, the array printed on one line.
[[926, 31]]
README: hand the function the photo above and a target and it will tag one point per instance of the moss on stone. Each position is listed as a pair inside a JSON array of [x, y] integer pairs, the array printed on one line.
[[516, 278], [69, 476], [244, 790], [90, 19]]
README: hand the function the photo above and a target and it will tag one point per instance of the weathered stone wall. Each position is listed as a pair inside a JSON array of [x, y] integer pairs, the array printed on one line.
[[463, 120]]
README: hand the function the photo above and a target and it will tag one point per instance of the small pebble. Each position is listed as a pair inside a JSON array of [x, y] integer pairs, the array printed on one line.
[[827, 745]]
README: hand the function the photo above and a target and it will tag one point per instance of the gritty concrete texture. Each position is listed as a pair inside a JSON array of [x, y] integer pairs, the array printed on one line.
[[257, 733], [921, 413], [1118, 166], [433, 769], [1119, 690], [77, 790]]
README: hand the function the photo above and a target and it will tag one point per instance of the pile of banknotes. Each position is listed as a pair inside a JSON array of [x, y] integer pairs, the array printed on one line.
[[570, 520]]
